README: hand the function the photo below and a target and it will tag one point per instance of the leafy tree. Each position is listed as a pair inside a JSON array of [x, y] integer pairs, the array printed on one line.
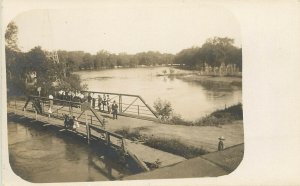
[[11, 37], [213, 52]]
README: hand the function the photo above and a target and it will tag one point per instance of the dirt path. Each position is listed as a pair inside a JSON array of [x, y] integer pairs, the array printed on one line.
[[210, 165]]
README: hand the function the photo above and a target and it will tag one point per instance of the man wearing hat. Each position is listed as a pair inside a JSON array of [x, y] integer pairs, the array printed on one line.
[[221, 144]]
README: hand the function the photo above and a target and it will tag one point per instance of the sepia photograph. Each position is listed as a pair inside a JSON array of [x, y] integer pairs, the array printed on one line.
[[124, 93]]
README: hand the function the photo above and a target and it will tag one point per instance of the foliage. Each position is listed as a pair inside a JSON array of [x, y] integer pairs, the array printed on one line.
[[213, 52], [217, 118], [163, 109], [172, 71], [20, 67], [11, 37], [174, 146], [132, 134], [234, 112]]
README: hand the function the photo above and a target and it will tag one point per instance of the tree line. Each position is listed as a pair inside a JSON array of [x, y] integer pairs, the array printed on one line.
[[213, 52], [48, 75], [79, 60]]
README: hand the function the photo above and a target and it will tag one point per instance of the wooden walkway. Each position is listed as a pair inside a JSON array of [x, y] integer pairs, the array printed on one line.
[[210, 165], [144, 153]]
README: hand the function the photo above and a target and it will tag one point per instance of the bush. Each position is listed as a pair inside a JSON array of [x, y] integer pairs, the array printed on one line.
[[133, 134], [168, 145], [177, 120], [163, 109], [175, 147], [234, 112], [216, 118]]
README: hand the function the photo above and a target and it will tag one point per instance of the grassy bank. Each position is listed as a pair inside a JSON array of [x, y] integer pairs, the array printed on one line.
[[207, 80], [217, 118], [173, 146]]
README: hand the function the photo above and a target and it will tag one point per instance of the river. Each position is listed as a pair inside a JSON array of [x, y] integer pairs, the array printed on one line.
[[190, 100], [40, 155]]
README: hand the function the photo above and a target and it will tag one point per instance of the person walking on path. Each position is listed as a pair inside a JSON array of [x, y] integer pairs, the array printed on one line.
[[115, 110], [221, 144]]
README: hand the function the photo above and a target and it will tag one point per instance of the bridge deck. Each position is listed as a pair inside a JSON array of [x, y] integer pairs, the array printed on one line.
[[145, 153], [203, 137]]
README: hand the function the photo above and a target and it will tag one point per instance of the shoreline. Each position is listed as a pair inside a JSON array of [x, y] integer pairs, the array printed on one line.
[[219, 80], [188, 75]]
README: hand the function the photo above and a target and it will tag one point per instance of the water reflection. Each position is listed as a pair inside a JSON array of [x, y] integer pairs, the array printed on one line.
[[191, 100], [40, 155]]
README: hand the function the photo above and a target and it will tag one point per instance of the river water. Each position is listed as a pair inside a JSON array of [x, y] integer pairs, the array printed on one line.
[[191, 100], [38, 154]]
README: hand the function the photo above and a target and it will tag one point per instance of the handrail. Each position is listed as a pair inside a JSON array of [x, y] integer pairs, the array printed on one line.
[[129, 95]]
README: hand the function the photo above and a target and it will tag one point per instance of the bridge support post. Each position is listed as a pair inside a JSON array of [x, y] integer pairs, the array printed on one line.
[[87, 128], [107, 138], [123, 145], [70, 109], [15, 106], [120, 103]]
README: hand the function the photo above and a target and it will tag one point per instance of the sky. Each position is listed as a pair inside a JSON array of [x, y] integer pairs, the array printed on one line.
[[129, 29]]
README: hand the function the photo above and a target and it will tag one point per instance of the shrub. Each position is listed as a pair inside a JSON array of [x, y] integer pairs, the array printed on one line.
[[216, 118], [163, 109], [126, 132], [174, 146]]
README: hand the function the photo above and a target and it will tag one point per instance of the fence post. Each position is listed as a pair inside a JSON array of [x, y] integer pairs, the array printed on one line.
[[104, 123], [35, 114], [42, 105], [107, 138], [123, 145], [120, 103], [15, 106], [138, 109]]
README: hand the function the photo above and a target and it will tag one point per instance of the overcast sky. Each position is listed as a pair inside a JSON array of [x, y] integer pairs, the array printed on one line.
[[129, 29]]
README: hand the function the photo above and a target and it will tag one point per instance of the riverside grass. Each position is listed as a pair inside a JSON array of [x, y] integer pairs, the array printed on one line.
[[173, 146], [217, 118]]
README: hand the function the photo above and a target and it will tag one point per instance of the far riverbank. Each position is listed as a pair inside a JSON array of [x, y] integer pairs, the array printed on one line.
[[225, 80]]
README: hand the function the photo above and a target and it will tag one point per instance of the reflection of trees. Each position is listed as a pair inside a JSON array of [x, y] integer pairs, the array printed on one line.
[[71, 152], [171, 77]]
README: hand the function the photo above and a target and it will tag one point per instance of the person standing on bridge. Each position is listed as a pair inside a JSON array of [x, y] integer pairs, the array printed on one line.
[[99, 102], [94, 97], [89, 98], [50, 103], [104, 101], [108, 104], [115, 110]]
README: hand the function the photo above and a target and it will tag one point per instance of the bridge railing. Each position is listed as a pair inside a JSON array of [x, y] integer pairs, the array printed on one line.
[[92, 130], [90, 125], [128, 104]]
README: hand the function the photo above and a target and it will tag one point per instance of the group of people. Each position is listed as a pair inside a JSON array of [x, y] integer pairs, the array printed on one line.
[[103, 102], [70, 122]]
